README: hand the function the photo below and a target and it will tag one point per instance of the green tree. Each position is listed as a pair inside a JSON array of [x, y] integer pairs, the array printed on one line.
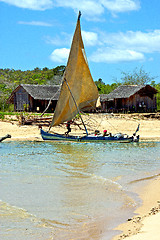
[[105, 88], [140, 77], [137, 77], [157, 86]]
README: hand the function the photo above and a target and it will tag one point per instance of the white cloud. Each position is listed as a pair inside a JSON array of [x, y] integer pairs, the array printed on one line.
[[96, 8], [146, 42], [36, 23], [59, 40], [88, 7], [129, 46], [115, 47], [90, 38], [31, 4], [121, 5], [60, 55], [109, 55], [92, 9]]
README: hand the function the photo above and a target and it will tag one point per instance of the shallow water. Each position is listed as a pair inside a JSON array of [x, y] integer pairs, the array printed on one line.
[[58, 191]]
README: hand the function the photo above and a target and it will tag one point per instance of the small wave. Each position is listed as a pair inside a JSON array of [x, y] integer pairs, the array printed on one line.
[[47, 223], [106, 181], [13, 212], [145, 178]]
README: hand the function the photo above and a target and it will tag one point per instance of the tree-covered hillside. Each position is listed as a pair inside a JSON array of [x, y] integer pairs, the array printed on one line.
[[10, 79]]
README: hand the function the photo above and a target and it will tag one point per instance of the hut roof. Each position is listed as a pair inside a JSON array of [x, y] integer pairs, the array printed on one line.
[[126, 91], [41, 92], [103, 97]]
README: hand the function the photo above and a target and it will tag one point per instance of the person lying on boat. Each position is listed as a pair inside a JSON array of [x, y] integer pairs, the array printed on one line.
[[68, 125]]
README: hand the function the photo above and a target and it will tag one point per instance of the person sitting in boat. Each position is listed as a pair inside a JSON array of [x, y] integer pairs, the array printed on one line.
[[68, 125], [96, 132], [104, 133]]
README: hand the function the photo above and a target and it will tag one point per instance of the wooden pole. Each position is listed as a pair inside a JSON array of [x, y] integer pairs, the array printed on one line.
[[76, 106]]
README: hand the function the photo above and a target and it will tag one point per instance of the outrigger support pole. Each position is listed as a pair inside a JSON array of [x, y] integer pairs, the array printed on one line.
[[76, 106]]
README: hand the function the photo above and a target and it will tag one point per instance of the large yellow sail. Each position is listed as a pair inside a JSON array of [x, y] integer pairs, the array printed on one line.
[[77, 79]]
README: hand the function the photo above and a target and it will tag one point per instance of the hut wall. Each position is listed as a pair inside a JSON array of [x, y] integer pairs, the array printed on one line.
[[104, 106], [142, 103], [31, 104], [143, 100], [21, 100], [40, 105], [135, 103], [121, 104]]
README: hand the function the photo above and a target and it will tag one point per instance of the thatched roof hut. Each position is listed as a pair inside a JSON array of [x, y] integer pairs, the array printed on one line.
[[130, 98], [34, 97]]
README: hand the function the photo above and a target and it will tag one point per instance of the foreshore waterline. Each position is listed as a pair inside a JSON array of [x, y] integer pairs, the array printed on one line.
[[67, 190], [144, 224], [31, 133]]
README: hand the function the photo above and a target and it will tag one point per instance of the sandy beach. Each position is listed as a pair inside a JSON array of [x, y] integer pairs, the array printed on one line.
[[149, 127], [145, 224]]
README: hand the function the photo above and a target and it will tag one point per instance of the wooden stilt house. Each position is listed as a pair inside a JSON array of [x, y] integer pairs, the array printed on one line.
[[130, 98], [34, 98]]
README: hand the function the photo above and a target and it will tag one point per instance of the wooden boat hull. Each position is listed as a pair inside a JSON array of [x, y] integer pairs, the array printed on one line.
[[89, 138]]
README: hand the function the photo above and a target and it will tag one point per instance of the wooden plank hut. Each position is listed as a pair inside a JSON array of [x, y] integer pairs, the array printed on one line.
[[133, 98], [34, 98]]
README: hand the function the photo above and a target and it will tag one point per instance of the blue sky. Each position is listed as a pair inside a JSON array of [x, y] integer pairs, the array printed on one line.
[[119, 35]]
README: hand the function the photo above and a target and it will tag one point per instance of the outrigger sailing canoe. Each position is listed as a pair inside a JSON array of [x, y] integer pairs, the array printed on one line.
[[78, 93], [88, 138]]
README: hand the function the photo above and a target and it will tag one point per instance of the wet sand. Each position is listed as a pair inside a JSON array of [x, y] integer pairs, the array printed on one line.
[[145, 224]]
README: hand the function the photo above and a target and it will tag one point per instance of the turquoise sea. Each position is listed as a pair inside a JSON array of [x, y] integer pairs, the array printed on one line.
[[71, 191]]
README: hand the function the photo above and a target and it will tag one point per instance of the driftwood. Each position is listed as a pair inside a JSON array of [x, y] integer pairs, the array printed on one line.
[[144, 115], [31, 120], [43, 121], [3, 138], [152, 115]]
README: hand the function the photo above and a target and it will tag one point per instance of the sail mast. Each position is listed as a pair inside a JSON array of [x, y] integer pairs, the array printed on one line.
[[76, 107], [78, 90], [79, 15]]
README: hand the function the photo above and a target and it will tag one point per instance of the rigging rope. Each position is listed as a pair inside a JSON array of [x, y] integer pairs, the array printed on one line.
[[50, 101], [90, 118], [112, 126]]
